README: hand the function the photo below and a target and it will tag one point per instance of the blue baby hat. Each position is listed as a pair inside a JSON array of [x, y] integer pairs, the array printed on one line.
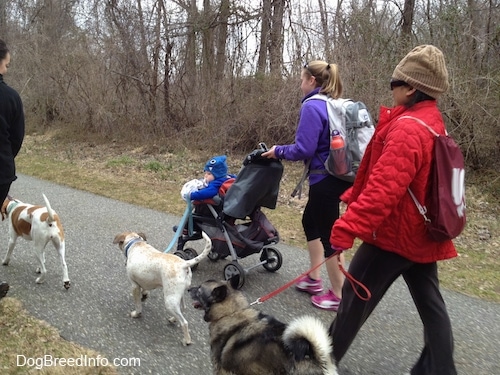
[[217, 166]]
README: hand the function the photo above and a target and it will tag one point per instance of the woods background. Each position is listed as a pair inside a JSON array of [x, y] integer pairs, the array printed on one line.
[[223, 75]]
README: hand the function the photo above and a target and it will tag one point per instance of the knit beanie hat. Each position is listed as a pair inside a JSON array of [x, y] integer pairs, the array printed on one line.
[[424, 68], [217, 166]]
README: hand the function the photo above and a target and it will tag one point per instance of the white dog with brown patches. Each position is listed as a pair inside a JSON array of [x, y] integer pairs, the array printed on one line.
[[38, 224], [148, 268]]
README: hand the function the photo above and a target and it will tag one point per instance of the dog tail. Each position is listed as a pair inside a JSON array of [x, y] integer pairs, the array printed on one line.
[[206, 250], [308, 340], [50, 211]]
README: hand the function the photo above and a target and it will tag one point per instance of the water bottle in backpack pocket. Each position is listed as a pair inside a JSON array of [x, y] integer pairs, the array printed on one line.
[[339, 162]]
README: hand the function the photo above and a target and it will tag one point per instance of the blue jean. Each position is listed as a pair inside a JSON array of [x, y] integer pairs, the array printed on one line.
[[377, 269]]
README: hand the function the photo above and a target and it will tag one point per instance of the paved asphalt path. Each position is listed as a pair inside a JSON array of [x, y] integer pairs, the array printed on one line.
[[94, 311]]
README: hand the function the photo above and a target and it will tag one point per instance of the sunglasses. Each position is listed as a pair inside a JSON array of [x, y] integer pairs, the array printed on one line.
[[397, 83]]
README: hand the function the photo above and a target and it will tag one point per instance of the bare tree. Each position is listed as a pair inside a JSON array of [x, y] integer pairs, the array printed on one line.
[[3, 18], [176, 69], [264, 36], [208, 51], [222, 35], [325, 29], [276, 37], [407, 21]]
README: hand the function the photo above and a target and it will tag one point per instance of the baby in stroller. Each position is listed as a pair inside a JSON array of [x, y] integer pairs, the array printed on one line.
[[255, 186], [215, 175]]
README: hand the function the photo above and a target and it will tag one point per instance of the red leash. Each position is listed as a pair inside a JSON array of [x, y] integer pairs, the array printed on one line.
[[347, 275]]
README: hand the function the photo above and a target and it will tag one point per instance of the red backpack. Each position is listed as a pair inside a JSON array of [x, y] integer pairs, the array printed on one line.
[[444, 213]]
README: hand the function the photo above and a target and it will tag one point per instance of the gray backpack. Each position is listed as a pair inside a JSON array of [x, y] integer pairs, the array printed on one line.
[[354, 123]]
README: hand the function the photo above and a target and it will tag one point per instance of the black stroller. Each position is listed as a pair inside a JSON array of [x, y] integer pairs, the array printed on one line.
[[234, 221]]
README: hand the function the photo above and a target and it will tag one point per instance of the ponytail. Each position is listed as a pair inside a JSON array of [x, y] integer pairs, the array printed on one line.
[[327, 77]]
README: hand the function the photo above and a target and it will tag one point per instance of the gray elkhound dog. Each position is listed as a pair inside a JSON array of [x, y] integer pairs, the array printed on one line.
[[244, 341]]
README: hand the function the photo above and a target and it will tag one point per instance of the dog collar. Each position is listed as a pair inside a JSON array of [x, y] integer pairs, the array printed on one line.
[[10, 207], [131, 242]]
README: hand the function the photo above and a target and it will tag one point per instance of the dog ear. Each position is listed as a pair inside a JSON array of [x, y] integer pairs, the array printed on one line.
[[142, 235], [119, 238], [219, 294]]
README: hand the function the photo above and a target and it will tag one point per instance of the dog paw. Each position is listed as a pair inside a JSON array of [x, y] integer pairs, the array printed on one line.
[[5, 262], [172, 320], [186, 343], [135, 314], [38, 270], [40, 280], [67, 284]]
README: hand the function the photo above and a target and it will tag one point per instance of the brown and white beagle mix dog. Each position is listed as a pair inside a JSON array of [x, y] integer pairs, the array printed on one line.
[[38, 224]]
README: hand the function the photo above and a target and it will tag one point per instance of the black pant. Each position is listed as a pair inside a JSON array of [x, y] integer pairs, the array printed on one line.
[[377, 270], [4, 191], [322, 209]]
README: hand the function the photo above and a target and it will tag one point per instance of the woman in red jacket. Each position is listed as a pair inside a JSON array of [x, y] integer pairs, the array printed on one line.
[[383, 215]]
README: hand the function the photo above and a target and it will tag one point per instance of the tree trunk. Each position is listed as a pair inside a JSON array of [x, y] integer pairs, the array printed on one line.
[[326, 33], [3, 20], [276, 38], [264, 36], [222, 34], [207, 45], [407, 23]]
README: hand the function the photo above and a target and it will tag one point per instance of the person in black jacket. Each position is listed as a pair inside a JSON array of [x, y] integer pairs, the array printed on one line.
[[11, 133]]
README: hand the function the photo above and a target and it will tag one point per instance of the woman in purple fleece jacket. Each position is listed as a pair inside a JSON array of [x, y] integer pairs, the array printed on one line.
[[312, 141]]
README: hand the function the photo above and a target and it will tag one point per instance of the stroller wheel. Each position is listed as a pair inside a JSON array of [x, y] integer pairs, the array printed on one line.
[[213, 255], [273, 258], [181, 255], [233, 269], [191, 253]]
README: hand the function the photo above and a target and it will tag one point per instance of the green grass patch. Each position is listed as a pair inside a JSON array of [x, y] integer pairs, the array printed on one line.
[[154, 166], [122, 161]]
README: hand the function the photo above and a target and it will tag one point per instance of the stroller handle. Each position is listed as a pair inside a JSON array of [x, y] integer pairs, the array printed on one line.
[[263, 146]]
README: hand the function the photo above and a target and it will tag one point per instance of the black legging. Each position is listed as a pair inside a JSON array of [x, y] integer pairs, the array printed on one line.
[[377, 270], [322, 209]]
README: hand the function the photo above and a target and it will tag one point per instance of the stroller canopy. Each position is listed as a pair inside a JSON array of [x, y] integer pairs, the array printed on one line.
[[257, 185]]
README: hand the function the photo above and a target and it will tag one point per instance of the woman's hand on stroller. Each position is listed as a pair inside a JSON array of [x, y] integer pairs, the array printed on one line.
[[270, 154]]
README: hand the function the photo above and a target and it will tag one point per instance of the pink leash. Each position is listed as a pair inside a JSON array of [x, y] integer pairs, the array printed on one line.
[[348, 276]]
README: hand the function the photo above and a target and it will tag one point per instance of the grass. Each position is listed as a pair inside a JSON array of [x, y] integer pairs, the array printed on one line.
[[21, 333], [109, 169]]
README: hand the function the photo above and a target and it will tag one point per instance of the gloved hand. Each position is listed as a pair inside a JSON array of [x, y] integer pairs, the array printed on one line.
[[190, 187], [338, 248]]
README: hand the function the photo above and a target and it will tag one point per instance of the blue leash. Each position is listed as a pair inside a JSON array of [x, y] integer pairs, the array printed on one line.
[[186, 217]]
